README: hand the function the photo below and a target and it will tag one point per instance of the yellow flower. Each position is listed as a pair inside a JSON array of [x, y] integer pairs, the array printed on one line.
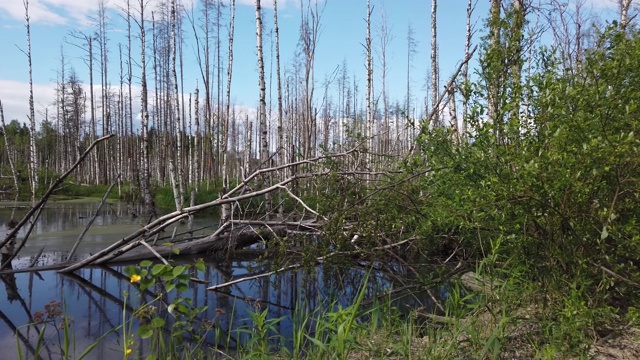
[[135, 278], [128, 351]]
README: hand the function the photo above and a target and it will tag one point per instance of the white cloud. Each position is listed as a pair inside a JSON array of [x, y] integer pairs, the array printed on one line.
[[57, 12], [281, 3], [15, 99]]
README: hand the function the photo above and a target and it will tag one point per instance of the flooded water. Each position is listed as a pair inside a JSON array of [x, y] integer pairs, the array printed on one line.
[[98, 298]]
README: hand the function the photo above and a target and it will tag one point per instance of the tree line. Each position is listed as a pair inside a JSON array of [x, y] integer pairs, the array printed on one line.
[[170, 132]]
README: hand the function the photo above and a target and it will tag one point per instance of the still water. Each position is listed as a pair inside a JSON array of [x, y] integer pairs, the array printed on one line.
[[98, 298]]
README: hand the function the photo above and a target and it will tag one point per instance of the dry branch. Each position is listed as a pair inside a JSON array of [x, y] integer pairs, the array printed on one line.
[[154, 227]]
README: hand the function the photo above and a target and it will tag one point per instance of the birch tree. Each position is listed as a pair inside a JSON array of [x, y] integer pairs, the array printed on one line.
[[145, 176], [280, 145], [33, 156], [435, 91], [624, 6], [493, 81], [262, 113], [465, 68], [369, 105], [385, 41], [10, 152], [176, 170], [227, 115]]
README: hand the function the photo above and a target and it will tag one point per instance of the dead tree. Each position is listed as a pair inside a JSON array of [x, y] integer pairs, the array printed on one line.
[[280, 145], [435, 88], [227, 115], [369, 91], [176, 171], [145, 176], [10, 151], [262, 113], [33, 157]]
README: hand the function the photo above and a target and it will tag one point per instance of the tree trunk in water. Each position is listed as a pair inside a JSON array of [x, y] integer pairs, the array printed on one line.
[[264, 136], [176, 169], [33, 156], [227, 115], [145, 176], [281, 150]]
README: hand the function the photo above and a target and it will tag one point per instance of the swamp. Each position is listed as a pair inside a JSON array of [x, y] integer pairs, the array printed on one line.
[[155, 206]]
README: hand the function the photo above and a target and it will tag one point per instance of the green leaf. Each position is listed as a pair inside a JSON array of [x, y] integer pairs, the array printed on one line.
[[200, 265], [145, 331], [157, 269], [182, 287], [178, 270], [157, 322], [145, 263], [169, 286]]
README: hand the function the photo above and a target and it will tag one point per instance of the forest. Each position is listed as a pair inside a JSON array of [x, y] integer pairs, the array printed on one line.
[[512, 187]]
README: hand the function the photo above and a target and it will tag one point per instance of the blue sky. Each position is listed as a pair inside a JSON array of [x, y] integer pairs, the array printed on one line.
[[342, 32]]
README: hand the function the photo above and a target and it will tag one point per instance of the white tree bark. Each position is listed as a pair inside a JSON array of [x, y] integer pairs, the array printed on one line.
[[262, 115], [33, 156], [624, 6], [175, 169], [369, 94], [435, 91], [145, 176], [227, 115]]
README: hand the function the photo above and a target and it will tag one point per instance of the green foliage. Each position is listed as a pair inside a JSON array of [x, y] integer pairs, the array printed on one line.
[[559, 192], [548, 199], [168, 320]]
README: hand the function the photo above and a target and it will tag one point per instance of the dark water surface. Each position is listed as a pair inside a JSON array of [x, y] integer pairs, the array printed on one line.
[[98, 298]]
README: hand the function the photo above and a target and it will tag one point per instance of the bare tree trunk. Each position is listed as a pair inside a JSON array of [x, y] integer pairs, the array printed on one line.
[[624, 6], [281, 149], [177, 175], [10, 151], [262, 115], [94, 130], [33, 156], [196, 139], [493, 86], [227, 115], [309, 29], [465, 70], [106, 158], [133, 179], [145, 176], [369, 94], [435, 91], [516, 69], [411, 50], [385, 40]]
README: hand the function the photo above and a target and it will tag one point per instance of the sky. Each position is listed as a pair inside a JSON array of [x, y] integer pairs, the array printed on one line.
[[342, 33]]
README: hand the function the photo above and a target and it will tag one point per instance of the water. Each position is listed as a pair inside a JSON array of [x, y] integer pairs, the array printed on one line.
[[97, 298]]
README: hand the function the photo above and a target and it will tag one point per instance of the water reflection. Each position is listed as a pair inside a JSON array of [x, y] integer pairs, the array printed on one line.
[[60, 224], [98, 298]]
